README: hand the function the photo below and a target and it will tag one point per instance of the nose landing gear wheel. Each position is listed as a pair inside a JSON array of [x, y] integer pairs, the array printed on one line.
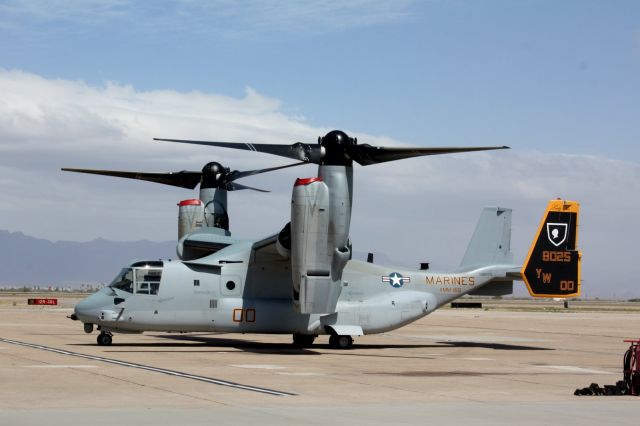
[[340, 342], [104, 339]]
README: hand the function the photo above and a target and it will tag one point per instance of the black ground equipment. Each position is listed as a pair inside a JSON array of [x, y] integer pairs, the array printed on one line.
[[630, 385]]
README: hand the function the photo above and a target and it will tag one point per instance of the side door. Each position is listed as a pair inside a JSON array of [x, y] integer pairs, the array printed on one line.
[[143, 306]]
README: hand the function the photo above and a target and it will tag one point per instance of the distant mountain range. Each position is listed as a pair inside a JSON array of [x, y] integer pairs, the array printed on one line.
[[29, 261]]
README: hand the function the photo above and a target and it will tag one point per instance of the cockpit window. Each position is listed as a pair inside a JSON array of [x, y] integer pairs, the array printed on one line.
[[148, 280], [123, 281], [145, 280]]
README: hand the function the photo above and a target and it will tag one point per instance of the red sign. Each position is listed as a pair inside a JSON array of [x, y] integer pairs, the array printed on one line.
[[43, 301]]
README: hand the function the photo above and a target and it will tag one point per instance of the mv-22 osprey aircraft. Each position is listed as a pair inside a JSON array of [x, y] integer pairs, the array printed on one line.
[[303, 280]]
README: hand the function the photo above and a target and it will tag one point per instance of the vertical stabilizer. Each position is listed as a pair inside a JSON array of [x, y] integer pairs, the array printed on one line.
[[552, 267], [491, 241]]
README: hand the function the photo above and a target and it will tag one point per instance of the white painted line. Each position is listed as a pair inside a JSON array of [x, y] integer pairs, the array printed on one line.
[[487, 338], [60, 366], [286, 373], [479, 359], [574, 369], [259, 366], [150, 368], [21, 324]]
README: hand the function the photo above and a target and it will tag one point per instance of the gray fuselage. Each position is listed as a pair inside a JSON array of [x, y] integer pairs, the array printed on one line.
[[242, 290]]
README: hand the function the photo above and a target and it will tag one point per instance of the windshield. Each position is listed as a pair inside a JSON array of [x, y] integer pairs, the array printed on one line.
[[123, 281]]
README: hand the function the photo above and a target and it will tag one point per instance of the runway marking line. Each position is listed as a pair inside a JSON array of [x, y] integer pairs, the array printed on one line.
[[284, 373], [259, 366], [150, 368], [59, 366], [575, 369]]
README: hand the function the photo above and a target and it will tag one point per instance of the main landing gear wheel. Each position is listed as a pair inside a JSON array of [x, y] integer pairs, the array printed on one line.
[[104, 339], [303, 340], [340, 342]]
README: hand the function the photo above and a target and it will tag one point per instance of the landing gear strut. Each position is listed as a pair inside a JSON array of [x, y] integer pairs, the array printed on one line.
[[104, 339], [340, 341]]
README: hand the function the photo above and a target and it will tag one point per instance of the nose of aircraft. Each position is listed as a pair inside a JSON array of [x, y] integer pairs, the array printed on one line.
[[88, 309]]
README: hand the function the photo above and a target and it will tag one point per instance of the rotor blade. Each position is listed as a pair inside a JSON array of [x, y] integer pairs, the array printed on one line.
[[183, 179], [298, 151], [366, 154], [237, 174], [233, 186]]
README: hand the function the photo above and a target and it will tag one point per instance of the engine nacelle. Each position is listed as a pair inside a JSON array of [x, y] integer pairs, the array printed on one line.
[[314, 289], [190, 217]]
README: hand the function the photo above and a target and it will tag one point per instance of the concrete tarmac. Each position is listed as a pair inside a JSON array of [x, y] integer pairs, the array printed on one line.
[[515, 363]]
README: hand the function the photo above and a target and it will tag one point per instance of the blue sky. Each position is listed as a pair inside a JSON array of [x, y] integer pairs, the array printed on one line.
[[90, 83], [547, 75]]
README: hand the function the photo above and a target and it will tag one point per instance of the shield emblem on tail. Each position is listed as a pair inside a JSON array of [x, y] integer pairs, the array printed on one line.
[[557, 233]]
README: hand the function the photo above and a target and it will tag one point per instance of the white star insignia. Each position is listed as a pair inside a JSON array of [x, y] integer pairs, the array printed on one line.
[[395, 279]]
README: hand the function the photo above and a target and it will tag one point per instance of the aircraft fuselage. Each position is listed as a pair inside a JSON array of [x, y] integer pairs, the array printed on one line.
[[233, 292]]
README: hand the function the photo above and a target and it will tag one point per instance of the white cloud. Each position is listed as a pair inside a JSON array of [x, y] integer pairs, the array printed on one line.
[[224, 17], [307, 16], [414, 210]]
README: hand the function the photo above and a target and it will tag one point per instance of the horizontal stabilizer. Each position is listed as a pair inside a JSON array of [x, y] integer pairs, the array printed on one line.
[[494, 288]]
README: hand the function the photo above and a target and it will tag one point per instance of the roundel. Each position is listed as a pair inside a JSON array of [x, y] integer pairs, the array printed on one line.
[[395, 279]]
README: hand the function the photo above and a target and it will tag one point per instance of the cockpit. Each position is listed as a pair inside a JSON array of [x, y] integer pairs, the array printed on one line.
[[139, 278]]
